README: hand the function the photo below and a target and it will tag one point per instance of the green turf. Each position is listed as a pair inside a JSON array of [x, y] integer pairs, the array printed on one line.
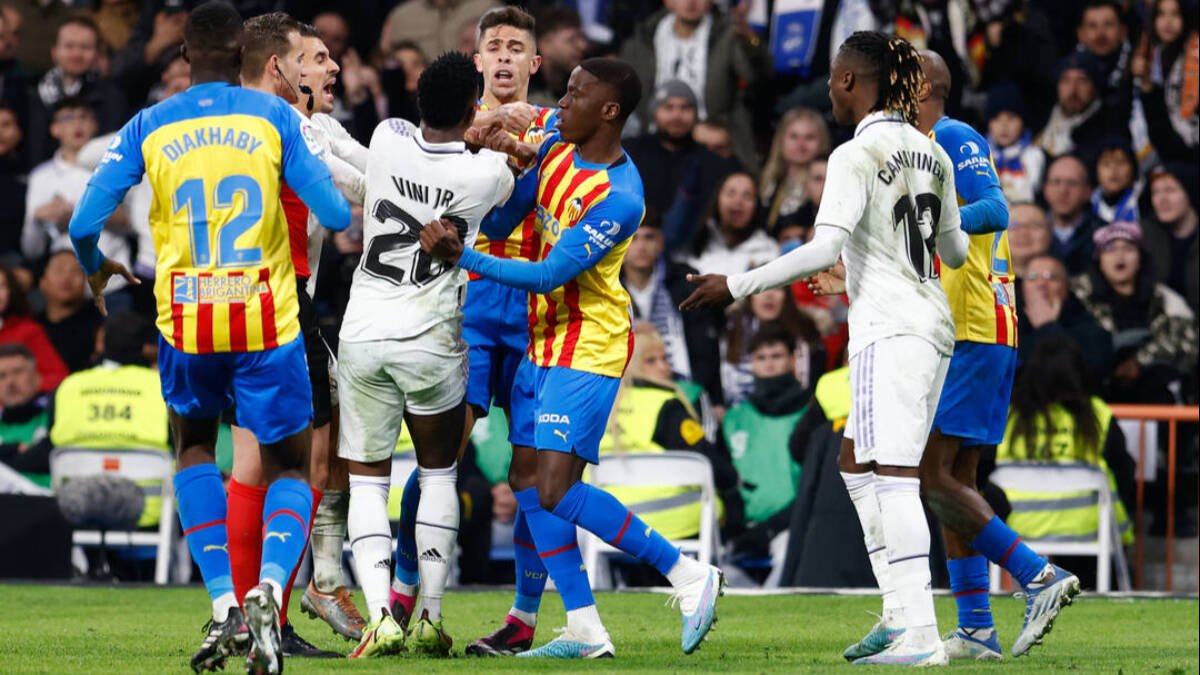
[[55, 629]]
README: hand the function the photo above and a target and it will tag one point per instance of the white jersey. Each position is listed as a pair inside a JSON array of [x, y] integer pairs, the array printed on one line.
[[892, 188], [398, 290]]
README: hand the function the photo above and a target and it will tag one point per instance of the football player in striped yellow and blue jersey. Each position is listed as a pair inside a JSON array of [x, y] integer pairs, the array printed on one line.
[[227, 308], [587, 196], [973, 410]]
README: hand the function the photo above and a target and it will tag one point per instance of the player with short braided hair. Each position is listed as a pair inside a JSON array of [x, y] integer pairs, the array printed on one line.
[[898, 70]]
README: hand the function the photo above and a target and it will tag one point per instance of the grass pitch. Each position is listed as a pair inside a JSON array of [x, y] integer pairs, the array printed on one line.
[[62, 629]]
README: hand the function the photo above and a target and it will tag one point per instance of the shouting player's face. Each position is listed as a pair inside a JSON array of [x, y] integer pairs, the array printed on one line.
[[507, 58], [587, 104], [319, 74]]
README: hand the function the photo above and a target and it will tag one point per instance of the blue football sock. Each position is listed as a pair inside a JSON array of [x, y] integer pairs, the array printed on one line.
[[606, 517], [531, 573], [1000, 544], [286, 514], [201, 496], [969, 583], [406, 537], [559, 550]]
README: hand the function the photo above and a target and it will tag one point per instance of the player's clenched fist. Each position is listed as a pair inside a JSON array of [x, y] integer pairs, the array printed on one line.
[[440, 239], [711, 290]]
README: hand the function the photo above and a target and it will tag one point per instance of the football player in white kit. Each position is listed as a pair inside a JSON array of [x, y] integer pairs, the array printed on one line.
[[402, 355], [889, 204]]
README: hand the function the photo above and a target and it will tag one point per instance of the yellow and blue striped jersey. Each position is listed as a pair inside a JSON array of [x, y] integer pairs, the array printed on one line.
[[980, 292], [214, 155]]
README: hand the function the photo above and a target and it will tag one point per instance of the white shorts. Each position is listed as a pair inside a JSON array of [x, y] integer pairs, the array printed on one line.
[[895, 385], [381, 379]]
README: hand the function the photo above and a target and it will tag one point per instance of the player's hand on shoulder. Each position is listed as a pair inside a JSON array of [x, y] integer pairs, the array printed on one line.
[[712, 290], [830, 282], [99, 281], [439, 238]]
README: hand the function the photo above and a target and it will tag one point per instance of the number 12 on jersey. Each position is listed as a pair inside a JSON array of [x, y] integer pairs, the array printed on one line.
[[919, 217], [190, 196]]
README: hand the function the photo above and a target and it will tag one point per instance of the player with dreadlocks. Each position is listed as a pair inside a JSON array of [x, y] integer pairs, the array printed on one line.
[[889, 204]]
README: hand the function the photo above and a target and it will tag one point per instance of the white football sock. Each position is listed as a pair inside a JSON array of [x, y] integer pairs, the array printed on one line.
[[221, 606], [436, 533], [688, 576], [328, 537], [371, 539], [861, 487], [527, 618], [585, 623], [906, 532]]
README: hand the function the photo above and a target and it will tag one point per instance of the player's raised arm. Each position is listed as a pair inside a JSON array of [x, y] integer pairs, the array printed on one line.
[[582, 247], [307, 174], [975, 179]]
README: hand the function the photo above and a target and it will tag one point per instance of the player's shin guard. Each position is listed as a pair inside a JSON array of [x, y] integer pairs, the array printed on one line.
[[371, 539], [559, 550], [531, 573], [1000, 544], [201, 498], [906, 531], [969, 583], [861, 488], [244, 525], [328, 535], [286, 516], [606, 517], [436, 533]]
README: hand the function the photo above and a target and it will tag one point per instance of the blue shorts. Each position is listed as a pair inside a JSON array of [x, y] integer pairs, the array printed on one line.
[[274, 396], [561, 409], [975, 397], [496, 329]]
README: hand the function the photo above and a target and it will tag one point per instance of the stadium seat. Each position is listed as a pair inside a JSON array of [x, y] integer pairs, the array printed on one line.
[[673, 468], [1060, 478], [139, 466]]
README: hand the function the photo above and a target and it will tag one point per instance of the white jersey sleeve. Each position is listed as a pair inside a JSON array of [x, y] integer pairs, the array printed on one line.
[[398, 290]]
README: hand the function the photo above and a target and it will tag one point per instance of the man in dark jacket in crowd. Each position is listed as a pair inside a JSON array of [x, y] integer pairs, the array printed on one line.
[[1046, 308]]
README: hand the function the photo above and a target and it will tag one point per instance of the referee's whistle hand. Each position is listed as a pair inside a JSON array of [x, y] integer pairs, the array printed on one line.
[[712, 290], [439, 238]]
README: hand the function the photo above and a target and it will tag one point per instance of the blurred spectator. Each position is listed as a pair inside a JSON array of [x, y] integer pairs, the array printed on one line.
[[1020, 45], [75, 53], [931, 24], [398, 79], [1028, 235], [70, 319], [1169, 80], [14, 76], [1154, 331], [1117, 185], [12, 181], [1019, 163], [669, 158], [730, 240], [35, 23], [358, 92], [801, 138], [1067, 191], [715, 137], [16, 325], [720, 58], [151, 47], [176, 77], [773, 307], [1169, 229], [1047, 309], [1055, 418], [561, 44], [56, 185], [115, 19], [23, 414], [433, 24], [755, 433], [1077, 123], [653, 412], [656, 286], [1103, 33]]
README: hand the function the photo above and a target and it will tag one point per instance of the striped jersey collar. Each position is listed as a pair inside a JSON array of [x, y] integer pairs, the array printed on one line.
[[880, 117]]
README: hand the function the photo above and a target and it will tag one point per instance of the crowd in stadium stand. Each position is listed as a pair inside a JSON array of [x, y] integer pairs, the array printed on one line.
[[1090, 107]]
